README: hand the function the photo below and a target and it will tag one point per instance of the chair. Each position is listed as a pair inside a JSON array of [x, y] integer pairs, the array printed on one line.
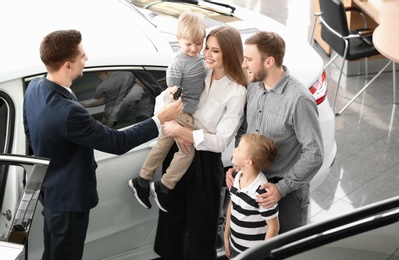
[[350, 45]]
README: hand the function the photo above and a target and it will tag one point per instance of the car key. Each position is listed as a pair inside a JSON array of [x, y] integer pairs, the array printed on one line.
[[178, 93]]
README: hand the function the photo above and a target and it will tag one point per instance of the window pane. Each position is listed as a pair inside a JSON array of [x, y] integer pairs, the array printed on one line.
[[3, 124], [116, 98]]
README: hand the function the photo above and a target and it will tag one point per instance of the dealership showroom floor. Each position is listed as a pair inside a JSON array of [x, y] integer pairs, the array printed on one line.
[[367, 162]]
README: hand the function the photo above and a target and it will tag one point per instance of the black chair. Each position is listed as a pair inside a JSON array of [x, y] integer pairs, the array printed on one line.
[[350, 45]]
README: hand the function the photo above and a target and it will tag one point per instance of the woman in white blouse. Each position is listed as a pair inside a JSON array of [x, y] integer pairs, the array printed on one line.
[[189, 229]]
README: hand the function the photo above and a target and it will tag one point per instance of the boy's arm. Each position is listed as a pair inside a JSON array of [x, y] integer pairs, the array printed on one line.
[[227, 232], [273, 227]]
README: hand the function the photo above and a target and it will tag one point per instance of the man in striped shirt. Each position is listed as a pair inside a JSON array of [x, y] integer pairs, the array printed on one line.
[[247, 223]]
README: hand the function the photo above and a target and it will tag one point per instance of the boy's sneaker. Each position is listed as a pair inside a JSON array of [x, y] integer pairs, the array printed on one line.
[[160, 197], [141, 193]]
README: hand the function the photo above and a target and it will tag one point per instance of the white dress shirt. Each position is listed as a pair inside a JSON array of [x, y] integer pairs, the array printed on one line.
[[219, 114]]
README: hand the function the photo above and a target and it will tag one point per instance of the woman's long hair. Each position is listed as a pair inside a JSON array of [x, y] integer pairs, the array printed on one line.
[[230, 42]]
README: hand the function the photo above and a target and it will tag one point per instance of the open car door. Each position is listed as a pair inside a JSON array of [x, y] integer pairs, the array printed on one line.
[[16, 219]]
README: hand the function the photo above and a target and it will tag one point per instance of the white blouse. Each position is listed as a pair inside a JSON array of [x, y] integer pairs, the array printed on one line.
[[219, 114]]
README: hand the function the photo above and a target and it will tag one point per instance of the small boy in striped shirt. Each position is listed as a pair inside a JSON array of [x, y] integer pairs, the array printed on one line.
[[247, 223]]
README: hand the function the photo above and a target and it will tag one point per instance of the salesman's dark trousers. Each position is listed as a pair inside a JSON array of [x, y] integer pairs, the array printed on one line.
[[64, 234]]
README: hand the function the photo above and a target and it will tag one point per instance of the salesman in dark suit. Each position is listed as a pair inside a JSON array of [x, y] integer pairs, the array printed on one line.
[[59, 128]]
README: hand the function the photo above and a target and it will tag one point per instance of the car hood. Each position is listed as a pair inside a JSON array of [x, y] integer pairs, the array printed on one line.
[[27, 22]]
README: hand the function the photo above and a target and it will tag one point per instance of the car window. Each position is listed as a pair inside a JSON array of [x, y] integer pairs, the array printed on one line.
[[118, 98], [6, 134], [6, 122], [3, 124]]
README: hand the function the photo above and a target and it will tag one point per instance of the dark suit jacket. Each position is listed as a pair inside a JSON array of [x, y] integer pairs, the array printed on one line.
[[59, 128]]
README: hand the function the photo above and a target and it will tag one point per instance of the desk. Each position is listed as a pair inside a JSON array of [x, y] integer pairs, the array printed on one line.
[[385, 38], [386, 14]]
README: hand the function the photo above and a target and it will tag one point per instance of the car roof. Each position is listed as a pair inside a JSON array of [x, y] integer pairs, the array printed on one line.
[[110, 29]]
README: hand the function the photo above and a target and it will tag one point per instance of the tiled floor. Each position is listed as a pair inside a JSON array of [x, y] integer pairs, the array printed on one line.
[[367, 163]]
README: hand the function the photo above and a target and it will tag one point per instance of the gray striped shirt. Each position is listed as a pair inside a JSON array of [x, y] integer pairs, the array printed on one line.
[[188, 73], [288, 115]]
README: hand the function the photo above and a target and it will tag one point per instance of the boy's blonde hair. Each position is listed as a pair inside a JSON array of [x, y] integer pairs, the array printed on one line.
[[191, 26], [262, 152]]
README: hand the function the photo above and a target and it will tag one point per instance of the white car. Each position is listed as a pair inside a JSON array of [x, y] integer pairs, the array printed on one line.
[[119, 37]]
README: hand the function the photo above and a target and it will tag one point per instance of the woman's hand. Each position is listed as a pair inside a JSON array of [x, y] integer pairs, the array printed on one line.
[[173, 129], [184, 145], [183, 135]]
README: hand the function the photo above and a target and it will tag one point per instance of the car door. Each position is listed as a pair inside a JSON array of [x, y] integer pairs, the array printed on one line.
[[20, 218], [118, 223], [12, 178]]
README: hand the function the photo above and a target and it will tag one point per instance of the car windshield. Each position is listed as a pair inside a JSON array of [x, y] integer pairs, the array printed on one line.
[[165, 14], [222, 13]]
